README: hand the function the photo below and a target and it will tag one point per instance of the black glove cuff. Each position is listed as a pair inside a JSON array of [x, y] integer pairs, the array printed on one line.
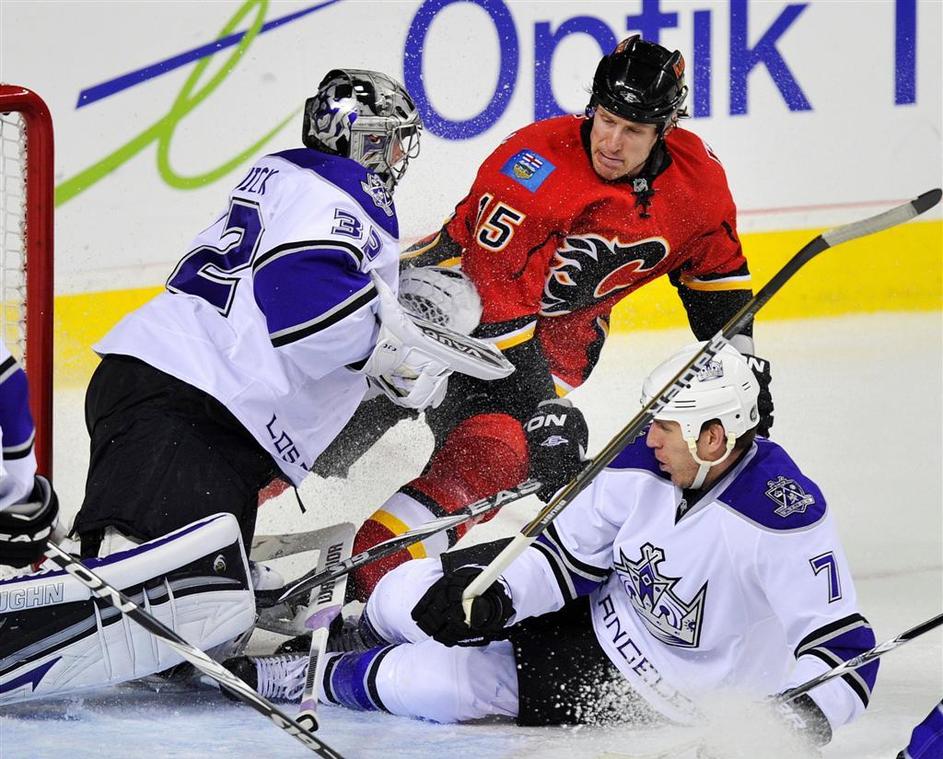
[[807, 719], [23, 537]]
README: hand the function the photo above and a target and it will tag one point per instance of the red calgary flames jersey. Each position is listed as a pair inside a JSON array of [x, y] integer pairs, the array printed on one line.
[[552, 247]]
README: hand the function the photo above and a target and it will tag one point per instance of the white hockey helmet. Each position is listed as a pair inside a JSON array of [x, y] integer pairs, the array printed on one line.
[[441, 295], [367, 116], [725, 389]]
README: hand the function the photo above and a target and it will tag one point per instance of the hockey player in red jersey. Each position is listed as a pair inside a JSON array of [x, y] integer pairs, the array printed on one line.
[[565, 218]]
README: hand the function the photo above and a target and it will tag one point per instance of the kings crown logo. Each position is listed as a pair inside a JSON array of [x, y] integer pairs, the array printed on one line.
[[378, 193], [667, 616]]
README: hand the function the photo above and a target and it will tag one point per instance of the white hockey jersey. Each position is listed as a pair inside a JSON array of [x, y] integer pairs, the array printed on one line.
[[748, 589], [274, 301], [17, 434]]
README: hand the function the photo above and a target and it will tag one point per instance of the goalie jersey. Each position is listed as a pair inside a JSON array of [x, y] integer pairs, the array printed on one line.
[[275, 300], [747, 589]]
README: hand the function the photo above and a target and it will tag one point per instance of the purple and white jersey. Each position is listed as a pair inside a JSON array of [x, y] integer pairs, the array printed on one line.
[[275, 300], [17, 434], [748, 589]]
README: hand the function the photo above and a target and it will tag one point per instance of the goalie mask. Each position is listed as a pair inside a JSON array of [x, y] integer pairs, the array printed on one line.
[[366, 116], [725, 389]]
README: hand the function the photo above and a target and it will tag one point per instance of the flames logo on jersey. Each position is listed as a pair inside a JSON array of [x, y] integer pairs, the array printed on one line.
[[587, 268], [667, 616]]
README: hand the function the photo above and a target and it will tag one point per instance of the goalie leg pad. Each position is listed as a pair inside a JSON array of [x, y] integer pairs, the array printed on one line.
[[58, 639], [482, 455]]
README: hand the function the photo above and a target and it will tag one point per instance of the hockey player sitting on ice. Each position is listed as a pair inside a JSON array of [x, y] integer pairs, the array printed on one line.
[[565, 218], [701, 559], [272, 324], [260, 350]]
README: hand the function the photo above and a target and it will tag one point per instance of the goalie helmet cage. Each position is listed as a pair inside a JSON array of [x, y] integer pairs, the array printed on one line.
[[26, 255]]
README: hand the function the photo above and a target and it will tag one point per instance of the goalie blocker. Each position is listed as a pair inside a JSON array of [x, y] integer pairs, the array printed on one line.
[[57, 640]]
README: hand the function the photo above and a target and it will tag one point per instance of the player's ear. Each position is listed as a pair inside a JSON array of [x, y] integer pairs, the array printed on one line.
[[715, 437]]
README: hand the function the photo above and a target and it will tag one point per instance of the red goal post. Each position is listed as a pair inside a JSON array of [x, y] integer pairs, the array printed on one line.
[[26, 249]]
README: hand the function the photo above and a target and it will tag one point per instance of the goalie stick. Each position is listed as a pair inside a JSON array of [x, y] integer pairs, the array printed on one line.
[[391, 546], [194, 655], [683, 378], [862, 659], [325, 604], [270, 547]]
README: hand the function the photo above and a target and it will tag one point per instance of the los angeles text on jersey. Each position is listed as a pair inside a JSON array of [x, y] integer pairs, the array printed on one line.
[[283, 444], [636, 661]]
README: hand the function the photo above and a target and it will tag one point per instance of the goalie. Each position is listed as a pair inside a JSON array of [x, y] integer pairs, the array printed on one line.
[[274, 323]]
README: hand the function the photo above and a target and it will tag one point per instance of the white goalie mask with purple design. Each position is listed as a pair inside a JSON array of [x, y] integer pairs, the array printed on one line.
[[366, 116]]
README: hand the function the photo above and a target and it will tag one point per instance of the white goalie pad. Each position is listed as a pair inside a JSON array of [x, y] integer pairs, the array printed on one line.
[[414, 357], [57, 640]]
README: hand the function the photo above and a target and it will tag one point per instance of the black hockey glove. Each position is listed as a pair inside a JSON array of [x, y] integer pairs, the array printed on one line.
[[803, 715], [761, 370], [25, 528], [557, 438], [440, 615]]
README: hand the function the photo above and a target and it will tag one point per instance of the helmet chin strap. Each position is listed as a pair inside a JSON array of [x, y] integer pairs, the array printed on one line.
[[705, 466]]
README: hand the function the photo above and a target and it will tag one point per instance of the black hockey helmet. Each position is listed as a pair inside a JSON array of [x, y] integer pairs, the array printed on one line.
[[640, 81]]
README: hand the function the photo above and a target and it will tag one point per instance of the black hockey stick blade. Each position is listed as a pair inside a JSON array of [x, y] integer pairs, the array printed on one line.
[[192, 654], [530, 531], [475, 510], [867, 656]]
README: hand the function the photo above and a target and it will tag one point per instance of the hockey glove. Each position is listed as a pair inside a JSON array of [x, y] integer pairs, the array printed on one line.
[[803, 715], [557, 438], [761, 370], [25, 527], [441, 616]]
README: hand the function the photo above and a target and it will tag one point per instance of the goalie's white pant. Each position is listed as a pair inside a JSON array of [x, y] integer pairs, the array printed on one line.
[[418, 677], [56, 639]]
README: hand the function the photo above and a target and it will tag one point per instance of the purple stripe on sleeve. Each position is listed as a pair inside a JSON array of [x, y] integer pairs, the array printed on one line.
[[302, 284]]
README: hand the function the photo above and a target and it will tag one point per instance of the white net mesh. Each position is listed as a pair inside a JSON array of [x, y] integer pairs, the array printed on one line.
[[12, 233]]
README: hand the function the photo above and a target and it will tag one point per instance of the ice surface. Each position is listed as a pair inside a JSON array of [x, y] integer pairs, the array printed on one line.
[[858, 405]]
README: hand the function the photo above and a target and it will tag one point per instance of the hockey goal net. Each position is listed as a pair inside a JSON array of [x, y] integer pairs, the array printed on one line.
[[26, 236]]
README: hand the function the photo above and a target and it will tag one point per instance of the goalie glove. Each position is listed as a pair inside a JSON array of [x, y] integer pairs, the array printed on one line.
[[441, 295], [440, 615], [557, 439], [25, 527], [413, 358]]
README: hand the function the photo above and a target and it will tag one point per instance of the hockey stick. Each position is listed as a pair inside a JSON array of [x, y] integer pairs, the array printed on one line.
[[683, 378], [195, 656], [391, 546], [269, 547], [862, 659], [325, 605]]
